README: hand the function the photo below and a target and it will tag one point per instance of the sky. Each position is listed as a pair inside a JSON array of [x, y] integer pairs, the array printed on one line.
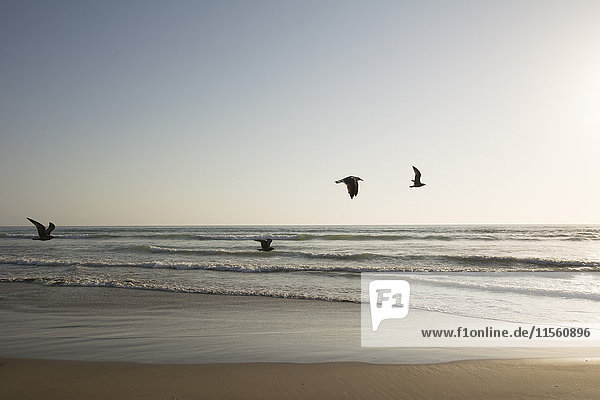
[[246, 112]]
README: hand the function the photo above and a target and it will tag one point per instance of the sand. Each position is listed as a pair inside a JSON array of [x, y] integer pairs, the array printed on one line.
[[109, 324], [153, 345], [489, 379]]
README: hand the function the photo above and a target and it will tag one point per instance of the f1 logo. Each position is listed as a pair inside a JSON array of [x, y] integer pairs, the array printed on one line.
[[388, 299]]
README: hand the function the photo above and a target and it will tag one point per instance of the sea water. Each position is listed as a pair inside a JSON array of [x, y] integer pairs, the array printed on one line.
[[512, 273]]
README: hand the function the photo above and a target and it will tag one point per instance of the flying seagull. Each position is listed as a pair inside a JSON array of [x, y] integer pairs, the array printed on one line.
[[265, 244], [44, 234], [352, 184], [417, 181]]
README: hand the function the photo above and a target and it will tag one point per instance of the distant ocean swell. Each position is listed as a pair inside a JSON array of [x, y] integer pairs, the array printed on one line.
[[466, 236]]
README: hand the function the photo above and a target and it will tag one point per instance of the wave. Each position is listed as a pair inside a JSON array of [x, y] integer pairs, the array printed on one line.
[[85, 236], [186, 266], [61, 236], [395, 260], [508, 261], [254, 253], [402, 235], [247, 237], [495, 286], [450, 237], [346, 296], [206, 252], [393, 237], [155, 236], [418, 263], [201, 237], [17, 235], [482, 235], [136, 285]]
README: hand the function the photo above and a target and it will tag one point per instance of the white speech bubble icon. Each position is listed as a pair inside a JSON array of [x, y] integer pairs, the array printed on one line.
[[388, 299]]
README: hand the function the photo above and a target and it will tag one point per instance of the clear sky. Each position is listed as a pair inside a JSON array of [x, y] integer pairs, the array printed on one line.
[[245, 112]]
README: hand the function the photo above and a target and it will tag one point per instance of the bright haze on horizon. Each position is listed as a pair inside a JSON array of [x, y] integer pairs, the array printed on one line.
[[246, 112]]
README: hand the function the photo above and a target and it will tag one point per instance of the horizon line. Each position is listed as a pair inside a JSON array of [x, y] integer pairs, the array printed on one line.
[[385, 224]]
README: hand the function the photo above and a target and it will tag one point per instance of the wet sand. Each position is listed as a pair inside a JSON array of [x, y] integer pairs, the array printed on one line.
[[489, 379], [99, 343], [108, 324]]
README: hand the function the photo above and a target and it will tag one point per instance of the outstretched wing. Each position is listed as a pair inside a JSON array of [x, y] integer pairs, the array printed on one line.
[[50, 228], [417, 175], [40, 228], [264, 243], [352, 185]]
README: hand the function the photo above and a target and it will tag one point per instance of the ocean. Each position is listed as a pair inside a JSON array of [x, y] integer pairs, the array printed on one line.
[[454, 268], [198, 294]]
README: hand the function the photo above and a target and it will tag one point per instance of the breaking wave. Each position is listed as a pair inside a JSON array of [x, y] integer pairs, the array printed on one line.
[[136, 285], [392, 263]]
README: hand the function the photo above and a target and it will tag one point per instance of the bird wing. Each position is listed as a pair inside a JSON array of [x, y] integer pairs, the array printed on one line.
[[50, 228], [355, 186], [417, 175], [351, 185], [264, 243], [40, 228], [345, 180]]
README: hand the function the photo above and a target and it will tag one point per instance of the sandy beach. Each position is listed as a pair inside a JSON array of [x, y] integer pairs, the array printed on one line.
[[506, 379], [146, 326], [99, 343]]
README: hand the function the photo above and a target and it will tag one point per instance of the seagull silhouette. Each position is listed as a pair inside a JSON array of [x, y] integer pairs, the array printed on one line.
[[265, 244], [417, 181], [44, 234], [352, 184]]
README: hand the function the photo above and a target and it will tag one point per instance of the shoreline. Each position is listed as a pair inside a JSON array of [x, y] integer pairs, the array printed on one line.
[[122, 325], [490, 379]]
